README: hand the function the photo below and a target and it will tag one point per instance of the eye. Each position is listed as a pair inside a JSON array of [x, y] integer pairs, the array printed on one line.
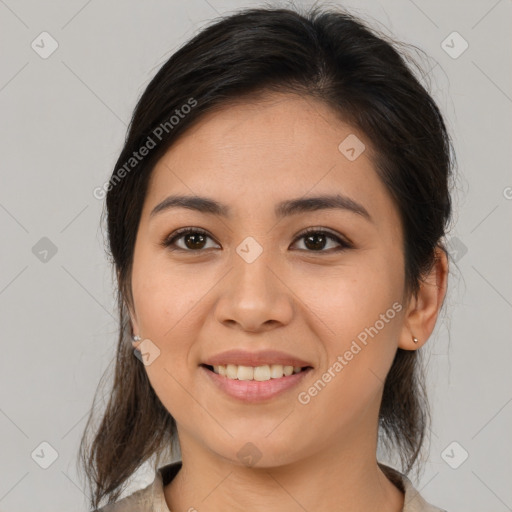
[[193, 238], [316, 240]]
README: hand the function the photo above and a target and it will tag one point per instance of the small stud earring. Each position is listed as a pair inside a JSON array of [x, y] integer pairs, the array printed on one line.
[[136, 338], [415, 339]]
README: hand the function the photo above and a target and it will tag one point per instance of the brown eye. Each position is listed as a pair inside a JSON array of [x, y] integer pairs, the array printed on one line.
[[316, 240], [194, 239]]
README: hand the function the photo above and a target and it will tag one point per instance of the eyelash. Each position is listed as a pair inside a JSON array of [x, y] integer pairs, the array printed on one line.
[[180, 233]]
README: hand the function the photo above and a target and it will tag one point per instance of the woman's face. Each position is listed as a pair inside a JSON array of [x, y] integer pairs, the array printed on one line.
[[251, 281]]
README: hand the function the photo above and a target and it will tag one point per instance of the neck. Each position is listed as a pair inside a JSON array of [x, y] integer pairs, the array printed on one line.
[[346, 477]]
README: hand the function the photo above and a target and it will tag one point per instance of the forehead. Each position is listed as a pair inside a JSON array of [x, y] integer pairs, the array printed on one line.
[[267, 150], [285, 131]]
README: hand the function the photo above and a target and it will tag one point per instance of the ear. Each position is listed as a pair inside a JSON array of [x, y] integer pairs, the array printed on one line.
[[423, 309], [130, 309], [134, 324]]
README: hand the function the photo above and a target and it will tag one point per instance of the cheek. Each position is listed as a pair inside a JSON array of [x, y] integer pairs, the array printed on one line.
[[166, 300], [358, 322], [356, 312], [165, 295], [351, 297]]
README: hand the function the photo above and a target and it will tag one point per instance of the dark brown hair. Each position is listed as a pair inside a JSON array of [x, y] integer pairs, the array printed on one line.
[[326, 54]]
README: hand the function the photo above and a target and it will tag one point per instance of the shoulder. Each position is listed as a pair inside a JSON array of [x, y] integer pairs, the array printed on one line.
[[413, 501], [149, 499], [139, 501]]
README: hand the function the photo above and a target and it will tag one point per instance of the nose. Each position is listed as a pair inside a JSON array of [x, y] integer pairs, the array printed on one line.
[[254, 297]]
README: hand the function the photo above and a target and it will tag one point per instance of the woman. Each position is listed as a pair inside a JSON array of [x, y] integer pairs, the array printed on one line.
[[276, 221]]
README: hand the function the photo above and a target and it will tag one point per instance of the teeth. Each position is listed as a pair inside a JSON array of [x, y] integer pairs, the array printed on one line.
[[276, 371], [259, 373], [231, 371], [245, 373]]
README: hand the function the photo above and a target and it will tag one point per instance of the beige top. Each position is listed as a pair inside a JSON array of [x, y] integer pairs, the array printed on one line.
[[152, 499]]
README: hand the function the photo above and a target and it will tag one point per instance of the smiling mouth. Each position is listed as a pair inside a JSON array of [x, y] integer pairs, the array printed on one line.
[[255, 373]]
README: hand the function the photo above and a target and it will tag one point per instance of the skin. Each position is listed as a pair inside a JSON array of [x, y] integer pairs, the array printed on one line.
[[306, 301]]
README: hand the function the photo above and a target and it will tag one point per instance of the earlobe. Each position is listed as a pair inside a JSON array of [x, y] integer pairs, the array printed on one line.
[[133, 324], [421, 316], [136, 341]]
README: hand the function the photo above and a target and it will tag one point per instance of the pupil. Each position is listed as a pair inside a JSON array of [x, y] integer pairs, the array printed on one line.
[[313, 241], [317, 236], [197, 240]]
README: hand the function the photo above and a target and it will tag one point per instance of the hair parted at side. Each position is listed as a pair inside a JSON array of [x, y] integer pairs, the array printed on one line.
[[326, 54]]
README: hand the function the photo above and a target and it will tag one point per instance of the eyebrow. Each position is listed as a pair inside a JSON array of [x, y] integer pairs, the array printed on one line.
[[282, 209]]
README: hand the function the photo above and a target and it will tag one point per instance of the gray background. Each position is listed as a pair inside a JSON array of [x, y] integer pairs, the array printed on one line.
[[63, 120]]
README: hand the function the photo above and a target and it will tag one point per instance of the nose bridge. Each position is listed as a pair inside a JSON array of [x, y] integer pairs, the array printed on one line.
[[254, 295], [253, 280]]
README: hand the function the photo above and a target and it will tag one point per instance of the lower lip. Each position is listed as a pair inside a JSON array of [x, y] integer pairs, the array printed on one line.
[[252, 390]]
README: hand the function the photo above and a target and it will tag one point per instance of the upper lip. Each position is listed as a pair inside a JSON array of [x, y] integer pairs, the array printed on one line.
[[260, 358]]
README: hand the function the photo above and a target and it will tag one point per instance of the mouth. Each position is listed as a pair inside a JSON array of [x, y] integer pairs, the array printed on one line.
[[254, 384], [260, 373]]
